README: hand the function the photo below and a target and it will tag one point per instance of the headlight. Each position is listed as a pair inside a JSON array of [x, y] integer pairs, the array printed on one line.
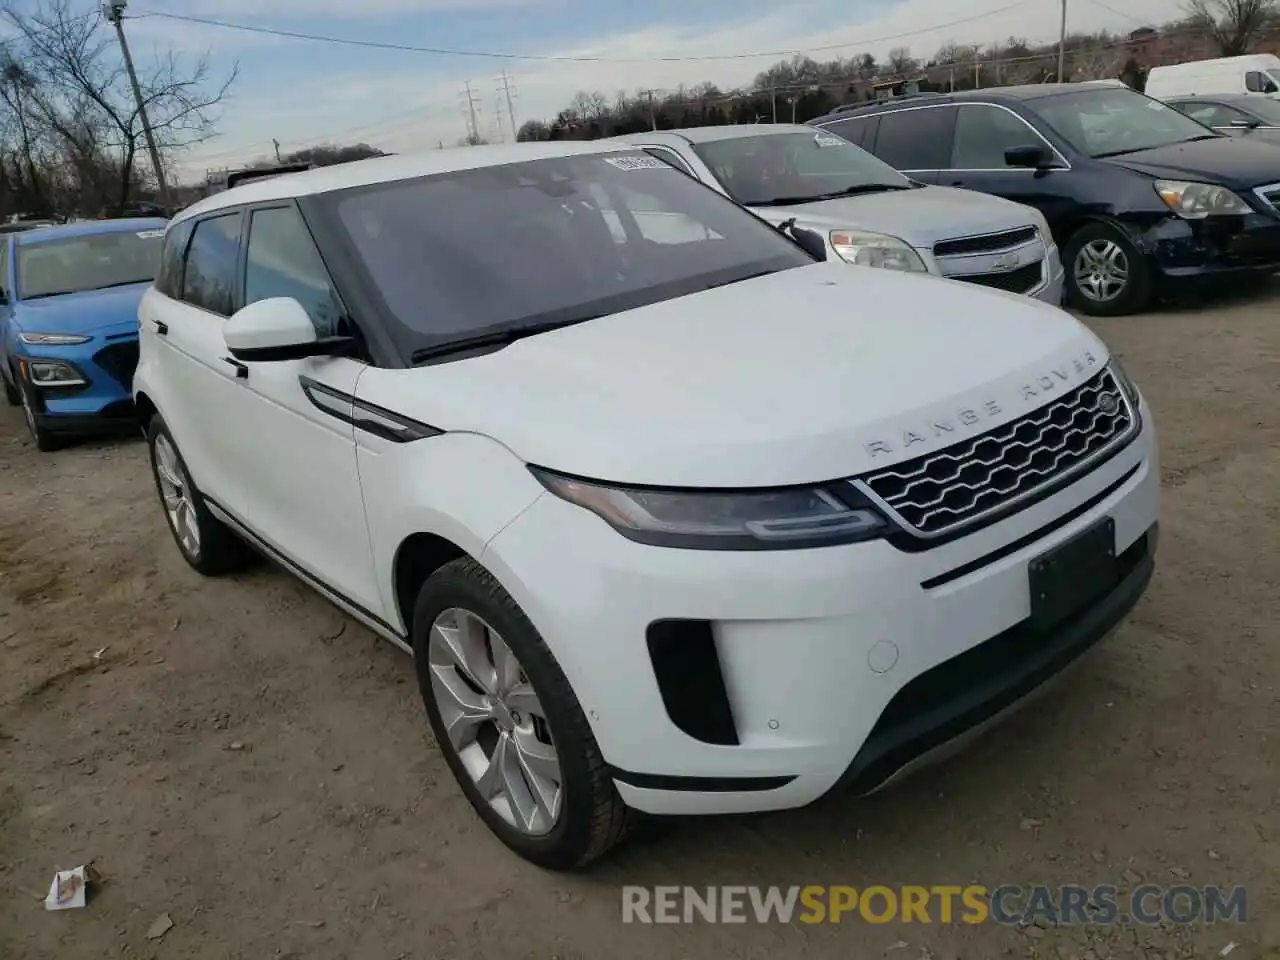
[[53, 373], [1195, 201], [780, 519], [1126, 384], [876, 250], [52, 339]]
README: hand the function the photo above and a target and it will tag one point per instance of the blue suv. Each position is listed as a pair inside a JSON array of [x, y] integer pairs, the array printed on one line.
[[69, 323]]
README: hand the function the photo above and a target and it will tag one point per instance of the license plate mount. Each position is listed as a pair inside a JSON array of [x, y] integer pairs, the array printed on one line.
[[1064, 579]]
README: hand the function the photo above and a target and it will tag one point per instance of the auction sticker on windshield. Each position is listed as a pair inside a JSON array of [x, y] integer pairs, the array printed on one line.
[[149, 234], [827, 140], [638, 163]]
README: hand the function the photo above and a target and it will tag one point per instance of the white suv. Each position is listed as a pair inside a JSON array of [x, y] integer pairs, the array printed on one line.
[[673, 521]]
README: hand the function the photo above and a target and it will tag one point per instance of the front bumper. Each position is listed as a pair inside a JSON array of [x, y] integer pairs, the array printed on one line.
[[1187, 254], [807, 669], [101, 403]]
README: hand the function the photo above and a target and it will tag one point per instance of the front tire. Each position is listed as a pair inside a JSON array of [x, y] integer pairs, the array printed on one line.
[[11, 392], [45, 440], [508, 723], [204, 541], [1106, 275]]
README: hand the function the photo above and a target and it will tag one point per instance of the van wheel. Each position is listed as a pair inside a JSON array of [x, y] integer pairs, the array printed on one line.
[[206, 543], [508, 723], [1107, 276]]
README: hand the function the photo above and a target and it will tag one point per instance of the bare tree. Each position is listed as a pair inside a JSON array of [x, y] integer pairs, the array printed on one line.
[[901, 61], [1233, 24], [82, 92]]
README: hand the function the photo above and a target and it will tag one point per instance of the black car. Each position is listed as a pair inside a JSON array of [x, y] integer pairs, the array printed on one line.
[[1235, 114], [1141, 199]]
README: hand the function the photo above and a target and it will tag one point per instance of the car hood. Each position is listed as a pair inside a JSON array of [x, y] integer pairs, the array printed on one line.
[[88, 313], [1236, 162], [805, 375], [922, 216]]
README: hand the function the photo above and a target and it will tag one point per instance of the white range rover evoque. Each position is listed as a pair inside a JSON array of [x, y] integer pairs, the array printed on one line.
[[672, 520]]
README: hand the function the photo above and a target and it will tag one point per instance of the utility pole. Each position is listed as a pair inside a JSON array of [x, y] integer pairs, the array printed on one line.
[[1062, 40], [114, 12], [653, 120], [276, 143], [508, 90], [473, 129]]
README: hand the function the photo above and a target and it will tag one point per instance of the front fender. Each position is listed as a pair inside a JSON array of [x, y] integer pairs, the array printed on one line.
[[463, 487]]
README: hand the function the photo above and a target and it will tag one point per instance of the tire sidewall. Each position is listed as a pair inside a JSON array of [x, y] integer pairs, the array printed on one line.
[[156, 430], [1136, 293], [569, 839]]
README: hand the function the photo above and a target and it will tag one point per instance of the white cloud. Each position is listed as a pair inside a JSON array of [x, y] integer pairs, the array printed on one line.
[[404, 110]]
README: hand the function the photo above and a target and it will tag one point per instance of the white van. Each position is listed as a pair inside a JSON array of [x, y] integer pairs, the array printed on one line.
[[1251, 73]]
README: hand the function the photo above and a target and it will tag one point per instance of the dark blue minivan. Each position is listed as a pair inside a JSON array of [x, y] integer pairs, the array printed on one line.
[[1142, 199]]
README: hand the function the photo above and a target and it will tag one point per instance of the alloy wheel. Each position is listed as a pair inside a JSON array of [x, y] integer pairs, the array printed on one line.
[[175, 491], [1101, 270], [495, 724]]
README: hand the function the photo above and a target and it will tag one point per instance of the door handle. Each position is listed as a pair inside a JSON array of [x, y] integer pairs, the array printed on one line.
[[161, 328], [242, 372]]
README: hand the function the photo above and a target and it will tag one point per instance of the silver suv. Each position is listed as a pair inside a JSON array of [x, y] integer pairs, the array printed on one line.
[[867, 212]]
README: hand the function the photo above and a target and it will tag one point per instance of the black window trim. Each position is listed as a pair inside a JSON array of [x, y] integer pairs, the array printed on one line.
[[186, 253]]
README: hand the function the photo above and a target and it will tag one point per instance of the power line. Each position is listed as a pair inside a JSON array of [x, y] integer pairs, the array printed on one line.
[[494, 55]]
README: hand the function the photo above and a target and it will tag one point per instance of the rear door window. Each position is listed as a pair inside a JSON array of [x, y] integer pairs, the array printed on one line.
[[916, 139]]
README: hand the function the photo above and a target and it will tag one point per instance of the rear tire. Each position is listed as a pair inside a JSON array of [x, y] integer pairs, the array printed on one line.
[[205, 542], [586, 818]]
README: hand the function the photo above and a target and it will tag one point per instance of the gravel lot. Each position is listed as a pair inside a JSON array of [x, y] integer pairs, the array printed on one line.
[[240, 756]]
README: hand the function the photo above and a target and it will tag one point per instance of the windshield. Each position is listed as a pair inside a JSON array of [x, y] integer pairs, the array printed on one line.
[[89, 262], [558, 240], [764, 169], [1104, 122]]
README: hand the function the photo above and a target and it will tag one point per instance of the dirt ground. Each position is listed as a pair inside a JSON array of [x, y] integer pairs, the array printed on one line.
[[240, 756]]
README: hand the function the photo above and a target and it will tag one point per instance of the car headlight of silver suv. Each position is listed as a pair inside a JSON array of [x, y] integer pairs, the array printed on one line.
[[1126, 383], [876, 250], [787, 518], [1196, 201]]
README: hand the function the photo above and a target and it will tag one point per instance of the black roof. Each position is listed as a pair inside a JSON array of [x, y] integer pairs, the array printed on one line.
[[1028, 91]]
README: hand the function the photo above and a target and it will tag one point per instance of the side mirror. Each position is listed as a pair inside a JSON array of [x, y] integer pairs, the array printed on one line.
[[278, 328], [1244, 123], [1030, 157], [810, 241]]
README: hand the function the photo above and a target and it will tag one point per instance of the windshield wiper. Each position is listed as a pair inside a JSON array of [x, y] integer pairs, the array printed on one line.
[[122, 283], [749, 276], [1120, 153], [834, 195], [51, 293], [494, 338]]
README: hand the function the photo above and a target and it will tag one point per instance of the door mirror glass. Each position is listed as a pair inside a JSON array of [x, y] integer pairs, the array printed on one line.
[[277, 328], [1034, 157]]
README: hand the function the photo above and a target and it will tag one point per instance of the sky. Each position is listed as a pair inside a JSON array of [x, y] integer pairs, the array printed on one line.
[[306, 93]]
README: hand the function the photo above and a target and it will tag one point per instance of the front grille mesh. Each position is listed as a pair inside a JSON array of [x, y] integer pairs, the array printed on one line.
[[119, 360], [986, 244], [1023, 280], [940, 491]]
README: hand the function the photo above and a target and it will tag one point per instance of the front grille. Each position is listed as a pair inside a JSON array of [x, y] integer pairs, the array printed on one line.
[[1023, 280], [119, 360], [985, 244], [938, 492]]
